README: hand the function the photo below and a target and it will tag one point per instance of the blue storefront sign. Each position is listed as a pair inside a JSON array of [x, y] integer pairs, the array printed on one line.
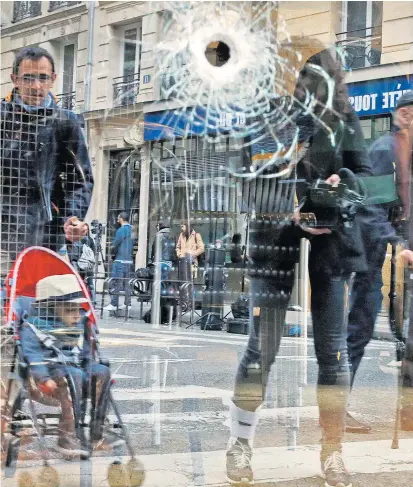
[[378, 97], [368, 98], [192, 122]]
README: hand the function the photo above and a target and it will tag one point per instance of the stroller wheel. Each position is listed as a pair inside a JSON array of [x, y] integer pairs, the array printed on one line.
[[130, 475], [48, 477], [117, 475], [25, 480], [136, 473]]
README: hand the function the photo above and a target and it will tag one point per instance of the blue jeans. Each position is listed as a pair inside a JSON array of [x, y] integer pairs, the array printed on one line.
[[121, 273], [329, 325], [365, 304]]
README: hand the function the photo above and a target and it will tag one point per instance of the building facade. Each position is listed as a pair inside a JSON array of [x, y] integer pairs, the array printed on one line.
[[106, 71]]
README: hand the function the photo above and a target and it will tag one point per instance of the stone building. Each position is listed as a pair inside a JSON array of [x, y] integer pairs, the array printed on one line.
[[106, 71]]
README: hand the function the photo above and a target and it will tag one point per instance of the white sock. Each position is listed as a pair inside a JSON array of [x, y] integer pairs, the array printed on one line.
[[243, 423]]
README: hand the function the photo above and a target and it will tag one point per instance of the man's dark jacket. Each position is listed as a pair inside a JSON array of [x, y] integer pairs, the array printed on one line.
[[46, 175]]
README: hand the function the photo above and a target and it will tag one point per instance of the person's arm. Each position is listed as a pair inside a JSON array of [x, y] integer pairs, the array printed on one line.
[[34, 355], [179, 247], [119, 236], [91, 243], [353, 147], [76, 252], [200, 247]]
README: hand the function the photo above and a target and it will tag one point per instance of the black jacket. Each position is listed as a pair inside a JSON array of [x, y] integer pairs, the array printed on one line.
[[342, 251], [46, 174], [168, 245]]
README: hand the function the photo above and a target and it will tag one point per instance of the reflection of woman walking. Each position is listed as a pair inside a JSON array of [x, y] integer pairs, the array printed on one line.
[[333, 257], [189, 247]]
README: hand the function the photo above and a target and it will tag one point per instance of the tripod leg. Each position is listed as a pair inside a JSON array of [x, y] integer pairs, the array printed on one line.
[[395, 442]]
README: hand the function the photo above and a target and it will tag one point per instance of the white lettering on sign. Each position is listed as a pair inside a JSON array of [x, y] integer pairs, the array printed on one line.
[[241, 119], [363, 102], [373, 101], [383, 102], [226, 120]]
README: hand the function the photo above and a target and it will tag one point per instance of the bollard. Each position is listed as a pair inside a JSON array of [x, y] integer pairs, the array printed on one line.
[[156, 405], [156, 289], [303, 293]]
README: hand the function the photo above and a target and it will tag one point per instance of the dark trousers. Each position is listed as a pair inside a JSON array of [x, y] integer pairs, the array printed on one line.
[[365, 304], [329, 325], [186, 291], [407, 364], [121, 274]]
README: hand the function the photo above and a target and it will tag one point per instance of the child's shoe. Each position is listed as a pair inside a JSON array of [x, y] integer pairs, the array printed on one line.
[[70, 446]]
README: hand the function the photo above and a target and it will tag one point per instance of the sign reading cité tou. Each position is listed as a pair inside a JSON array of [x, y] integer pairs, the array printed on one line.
[[378, 97]]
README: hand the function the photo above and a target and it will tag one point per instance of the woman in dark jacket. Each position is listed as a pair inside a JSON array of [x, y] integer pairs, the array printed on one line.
[[76, 253], [330, 138]]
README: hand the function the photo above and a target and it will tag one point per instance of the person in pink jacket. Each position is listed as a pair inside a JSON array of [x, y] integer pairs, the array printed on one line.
[[188, 249]]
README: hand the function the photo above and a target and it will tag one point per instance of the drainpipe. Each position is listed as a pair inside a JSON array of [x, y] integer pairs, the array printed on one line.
[[88, 78]]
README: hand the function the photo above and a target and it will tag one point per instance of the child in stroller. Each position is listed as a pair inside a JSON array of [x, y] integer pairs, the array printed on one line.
[[51, 338]]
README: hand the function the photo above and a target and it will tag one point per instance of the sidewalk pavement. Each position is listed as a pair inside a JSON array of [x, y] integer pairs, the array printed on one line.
[[373, 463], [381, 332]]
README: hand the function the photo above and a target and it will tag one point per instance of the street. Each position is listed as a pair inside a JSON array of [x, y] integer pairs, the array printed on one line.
[[173, 387]]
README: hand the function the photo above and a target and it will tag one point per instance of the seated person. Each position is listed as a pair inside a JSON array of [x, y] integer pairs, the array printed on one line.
[[51, 342]]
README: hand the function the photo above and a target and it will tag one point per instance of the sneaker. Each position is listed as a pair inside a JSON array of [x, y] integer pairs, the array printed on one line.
[[108, 442], [335, 472], [110, 307], [71, 447], [239, 471], [123, 306]]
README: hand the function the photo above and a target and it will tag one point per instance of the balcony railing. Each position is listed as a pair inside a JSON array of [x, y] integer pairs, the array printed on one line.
[[56, 5], [125, 90], [26, 10], [67, 100], [167, 83], [360, 48]]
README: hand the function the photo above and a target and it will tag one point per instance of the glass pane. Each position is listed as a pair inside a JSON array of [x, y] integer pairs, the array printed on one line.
[[366, 128], [129, 53], [356, 18], [68, 68]]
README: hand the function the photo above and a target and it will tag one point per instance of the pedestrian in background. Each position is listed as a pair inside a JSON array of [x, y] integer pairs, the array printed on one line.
[[167, 248], [122, 269], [383, 223], [188, 249], [83, 259]]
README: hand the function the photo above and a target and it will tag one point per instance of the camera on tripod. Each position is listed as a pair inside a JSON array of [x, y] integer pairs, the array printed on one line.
[[98, 228]]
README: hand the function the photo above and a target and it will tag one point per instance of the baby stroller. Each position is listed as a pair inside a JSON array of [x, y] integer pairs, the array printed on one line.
[[20, 416]]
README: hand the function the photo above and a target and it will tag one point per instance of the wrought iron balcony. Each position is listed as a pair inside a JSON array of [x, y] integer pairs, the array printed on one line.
[[358, 50], [56, 5], [67, 100], [125, 89], [26, 10], [167, 83]]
